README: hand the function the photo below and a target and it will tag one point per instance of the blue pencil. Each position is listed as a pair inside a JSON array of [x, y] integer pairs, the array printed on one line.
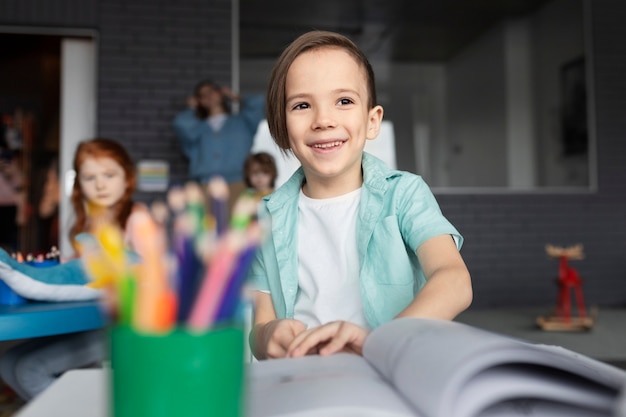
[[232, 295], [189, 270], [219, 193]]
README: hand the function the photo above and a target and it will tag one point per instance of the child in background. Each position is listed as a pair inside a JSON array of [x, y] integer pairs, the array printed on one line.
[[106, 181], [103, 189], [353, 244], [260, 174], [215, 140]]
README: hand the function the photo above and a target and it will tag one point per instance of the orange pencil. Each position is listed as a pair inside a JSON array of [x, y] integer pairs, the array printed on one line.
[[154, 309]]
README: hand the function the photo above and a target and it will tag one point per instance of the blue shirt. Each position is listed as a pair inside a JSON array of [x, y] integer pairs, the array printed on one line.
[[219, 152], [397, 213]]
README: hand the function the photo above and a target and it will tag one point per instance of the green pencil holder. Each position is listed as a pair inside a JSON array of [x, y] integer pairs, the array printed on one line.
[[179, 374]]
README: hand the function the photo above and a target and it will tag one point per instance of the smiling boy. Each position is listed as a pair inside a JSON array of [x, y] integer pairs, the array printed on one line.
[[353, 244]]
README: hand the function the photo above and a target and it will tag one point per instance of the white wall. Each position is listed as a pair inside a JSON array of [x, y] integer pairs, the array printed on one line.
[[78, 119]]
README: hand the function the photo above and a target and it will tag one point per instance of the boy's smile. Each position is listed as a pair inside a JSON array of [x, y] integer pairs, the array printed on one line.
[[328, 120]]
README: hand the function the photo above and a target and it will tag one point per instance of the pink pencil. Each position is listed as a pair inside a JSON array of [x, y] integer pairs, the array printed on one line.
[[215, 282]]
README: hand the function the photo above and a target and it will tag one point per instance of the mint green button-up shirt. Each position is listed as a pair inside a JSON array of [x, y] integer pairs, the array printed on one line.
[[397, 213]]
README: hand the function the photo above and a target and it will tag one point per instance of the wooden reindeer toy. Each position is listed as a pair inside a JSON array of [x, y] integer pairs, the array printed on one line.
[[568, 281]]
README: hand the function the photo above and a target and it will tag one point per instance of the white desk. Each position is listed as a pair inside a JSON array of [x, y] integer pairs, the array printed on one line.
[[78, 393], [84, 393]]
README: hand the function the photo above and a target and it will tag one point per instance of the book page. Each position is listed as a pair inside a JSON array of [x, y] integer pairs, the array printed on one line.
[[539, 408], [433, 362], [620, 404], [520, 384], [341, 385]]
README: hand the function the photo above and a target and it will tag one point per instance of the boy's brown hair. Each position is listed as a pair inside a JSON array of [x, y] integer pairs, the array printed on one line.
[[276, 100]]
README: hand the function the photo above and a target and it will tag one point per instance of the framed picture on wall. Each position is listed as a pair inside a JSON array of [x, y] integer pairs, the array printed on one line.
[[574, 132]]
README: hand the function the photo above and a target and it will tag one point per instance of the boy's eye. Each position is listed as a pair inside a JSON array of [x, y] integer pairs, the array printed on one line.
[[345, 101], [88, 177]]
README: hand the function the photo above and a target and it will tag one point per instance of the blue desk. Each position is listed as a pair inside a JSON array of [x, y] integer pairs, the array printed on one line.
[[36, 319]]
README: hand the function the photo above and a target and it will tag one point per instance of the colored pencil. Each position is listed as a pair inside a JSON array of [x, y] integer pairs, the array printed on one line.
[[214, 283], [152, 295], [219, 193], [232, 295]]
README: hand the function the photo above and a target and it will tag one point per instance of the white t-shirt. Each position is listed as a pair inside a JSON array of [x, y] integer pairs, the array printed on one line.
[[328, 263]]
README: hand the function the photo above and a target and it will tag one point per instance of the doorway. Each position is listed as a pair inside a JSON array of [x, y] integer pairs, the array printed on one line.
[[34, 138]]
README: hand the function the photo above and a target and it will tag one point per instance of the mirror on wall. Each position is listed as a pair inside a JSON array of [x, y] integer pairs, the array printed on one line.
[[483, 97]]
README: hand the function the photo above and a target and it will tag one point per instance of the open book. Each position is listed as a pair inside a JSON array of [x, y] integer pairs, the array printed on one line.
[[431, 368]]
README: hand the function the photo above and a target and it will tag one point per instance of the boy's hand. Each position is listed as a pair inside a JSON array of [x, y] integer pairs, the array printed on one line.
[[278, 335], [334, 337]]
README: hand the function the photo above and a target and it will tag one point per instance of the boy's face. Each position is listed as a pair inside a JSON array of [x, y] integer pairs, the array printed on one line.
[[102, 180], [327, 117]]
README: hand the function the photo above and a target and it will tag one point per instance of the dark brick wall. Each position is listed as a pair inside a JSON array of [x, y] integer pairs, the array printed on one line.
[[49, 13], [151, 53]]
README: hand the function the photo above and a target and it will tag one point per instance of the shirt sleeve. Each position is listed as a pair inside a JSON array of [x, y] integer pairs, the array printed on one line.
[[420, 216], [257, 277]]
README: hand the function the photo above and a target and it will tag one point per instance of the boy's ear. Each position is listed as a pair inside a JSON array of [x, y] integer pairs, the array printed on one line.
[[374, 119]]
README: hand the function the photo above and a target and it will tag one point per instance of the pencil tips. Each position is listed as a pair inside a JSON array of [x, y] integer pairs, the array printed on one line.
[[219, 194], [194, 257], [176, 199], [244, 211], [218, 188]]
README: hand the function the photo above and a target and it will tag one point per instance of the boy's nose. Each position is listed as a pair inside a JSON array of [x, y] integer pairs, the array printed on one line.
[[324, 119]]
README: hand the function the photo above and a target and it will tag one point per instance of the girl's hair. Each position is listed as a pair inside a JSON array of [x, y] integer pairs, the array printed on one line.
[[202, 112], [276, 100], [102, 148], [265, 161]]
